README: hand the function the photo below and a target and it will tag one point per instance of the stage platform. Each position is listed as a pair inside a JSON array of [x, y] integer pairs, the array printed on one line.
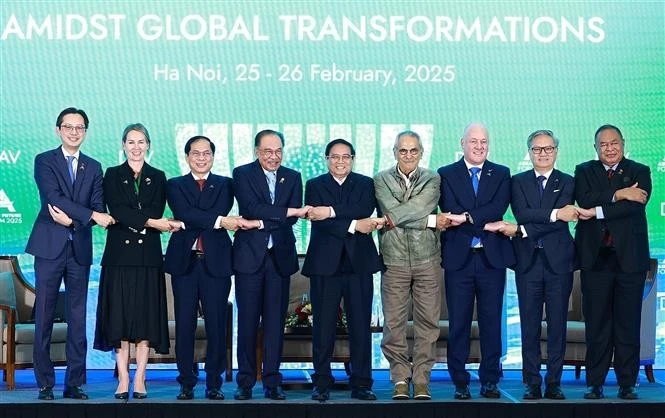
[[162, 390]]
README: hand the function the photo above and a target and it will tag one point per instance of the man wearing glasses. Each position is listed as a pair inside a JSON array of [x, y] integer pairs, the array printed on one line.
[[341, 259], [72, 201], [409, 243], [264, 258], [198, 258], [542, 202], [612, 244], [476, 192]]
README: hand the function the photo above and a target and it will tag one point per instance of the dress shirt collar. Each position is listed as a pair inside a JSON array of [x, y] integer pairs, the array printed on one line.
[[76, 155], [202, 178], [469, 166]]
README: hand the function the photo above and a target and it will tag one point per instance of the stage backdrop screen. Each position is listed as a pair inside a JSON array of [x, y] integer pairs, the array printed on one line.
[[320, 70]]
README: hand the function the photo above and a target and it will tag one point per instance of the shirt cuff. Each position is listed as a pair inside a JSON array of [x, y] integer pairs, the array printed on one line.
[[182, 225], [523, 229], [218, 223], [553, 215], [431, 221], [352, 227], [599, 212], [332, 212], [260, 224]]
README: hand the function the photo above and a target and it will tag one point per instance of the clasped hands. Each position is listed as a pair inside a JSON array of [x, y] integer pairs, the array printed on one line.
[[59, 216], [364, 226]]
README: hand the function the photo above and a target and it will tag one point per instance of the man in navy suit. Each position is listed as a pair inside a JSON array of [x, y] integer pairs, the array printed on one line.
[[264, 258], [542, 202], [475, 191], [199, 259], [612, 244], [341, 259], [72, 201]]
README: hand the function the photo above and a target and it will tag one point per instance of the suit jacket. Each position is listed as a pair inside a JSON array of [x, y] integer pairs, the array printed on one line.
[[126, 243], [199, 211], [489, 205], [557, 241], [626, 220], [355, 200], [253, 196], [48, 238]]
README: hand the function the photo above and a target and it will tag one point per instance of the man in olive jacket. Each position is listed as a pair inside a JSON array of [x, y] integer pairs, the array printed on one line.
[[407, 196]]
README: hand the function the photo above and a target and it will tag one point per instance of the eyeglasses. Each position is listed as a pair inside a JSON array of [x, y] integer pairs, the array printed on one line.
[[540, 150], [196, 154], [337, 158], [608, 145], [270, 152], [412, 151], [70, 128]]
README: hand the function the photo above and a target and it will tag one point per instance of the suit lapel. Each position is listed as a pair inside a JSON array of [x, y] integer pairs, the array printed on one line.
[[549, 197], [261, 183], [464, 177], [80, 174], [61, 165], [126, 177], [281, 184], [209, 193]]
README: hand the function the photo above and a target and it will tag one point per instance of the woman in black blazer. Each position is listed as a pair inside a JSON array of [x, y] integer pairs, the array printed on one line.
[[132, 297]]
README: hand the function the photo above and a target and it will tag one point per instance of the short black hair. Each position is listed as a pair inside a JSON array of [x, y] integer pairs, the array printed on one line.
[[266, 132], [340, 141], [606, 127], [69, 111], [190, 141]]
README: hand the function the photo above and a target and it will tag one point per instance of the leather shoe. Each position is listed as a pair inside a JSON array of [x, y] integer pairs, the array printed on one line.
[[594, 392], [553, 391], [628, 392], [320, 394], [46, 394], [276, 393], [74, 392], [242, 394], [186, 393], [490, 390], [121, 395], [532, 392], [215, 394], [462, 392], [363, 393]]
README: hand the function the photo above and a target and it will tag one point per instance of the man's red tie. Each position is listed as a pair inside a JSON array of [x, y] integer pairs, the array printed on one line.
[[199, 241]]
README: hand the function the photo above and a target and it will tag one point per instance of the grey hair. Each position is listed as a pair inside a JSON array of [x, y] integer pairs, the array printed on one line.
[[540, 132], [412, 134]]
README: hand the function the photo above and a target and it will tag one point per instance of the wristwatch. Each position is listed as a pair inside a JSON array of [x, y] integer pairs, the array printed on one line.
[[518, 233], [468, 217]]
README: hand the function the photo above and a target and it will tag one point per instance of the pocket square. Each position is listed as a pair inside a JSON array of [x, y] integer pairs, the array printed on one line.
[[556, 191]]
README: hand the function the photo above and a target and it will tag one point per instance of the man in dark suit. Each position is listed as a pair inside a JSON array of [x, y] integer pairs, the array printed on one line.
[[475, 191], [612, 244], [198, 258], [72, 201], [264, 258], [340, 261], [542, 204]]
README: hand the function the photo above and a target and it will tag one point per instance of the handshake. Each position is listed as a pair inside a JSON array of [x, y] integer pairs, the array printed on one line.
[[568, 213], [320, 213]]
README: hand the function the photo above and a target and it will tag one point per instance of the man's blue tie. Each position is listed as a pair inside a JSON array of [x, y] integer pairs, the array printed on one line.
[[271, 176], [70, 168], [474, 182], [541, 190]]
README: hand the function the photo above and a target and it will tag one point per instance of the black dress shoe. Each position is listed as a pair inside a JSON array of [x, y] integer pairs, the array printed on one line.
[[46, 394], [121, 395], [74, 392], [186, 393], [594, 392], [628, 392], [276, 393], [320, 394], [462, 392], [553, 391], [242, 394], [490, 390], [139, 395], [363, 393], [215, 394], [532, 392]]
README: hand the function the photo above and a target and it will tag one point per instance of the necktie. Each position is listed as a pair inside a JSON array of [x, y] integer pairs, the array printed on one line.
[[199, 240], [608, 241], [271, 176], [475, 242], [70, 167], [541, 190]]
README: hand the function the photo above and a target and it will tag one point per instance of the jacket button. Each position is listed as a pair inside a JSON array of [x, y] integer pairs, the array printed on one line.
[[126, 241], [140, 241]]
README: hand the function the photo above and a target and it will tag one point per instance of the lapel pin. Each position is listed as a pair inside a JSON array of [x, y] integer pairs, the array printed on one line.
[[82, 167], [148, 181], [281, 180], [125, 182], [489, 172]]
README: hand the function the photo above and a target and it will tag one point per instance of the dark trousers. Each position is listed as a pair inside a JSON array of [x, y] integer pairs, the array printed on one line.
[[261, 297], [612, 303], [213, 293], [536, 286], [48, 276], [326, 293], [476, 281]]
